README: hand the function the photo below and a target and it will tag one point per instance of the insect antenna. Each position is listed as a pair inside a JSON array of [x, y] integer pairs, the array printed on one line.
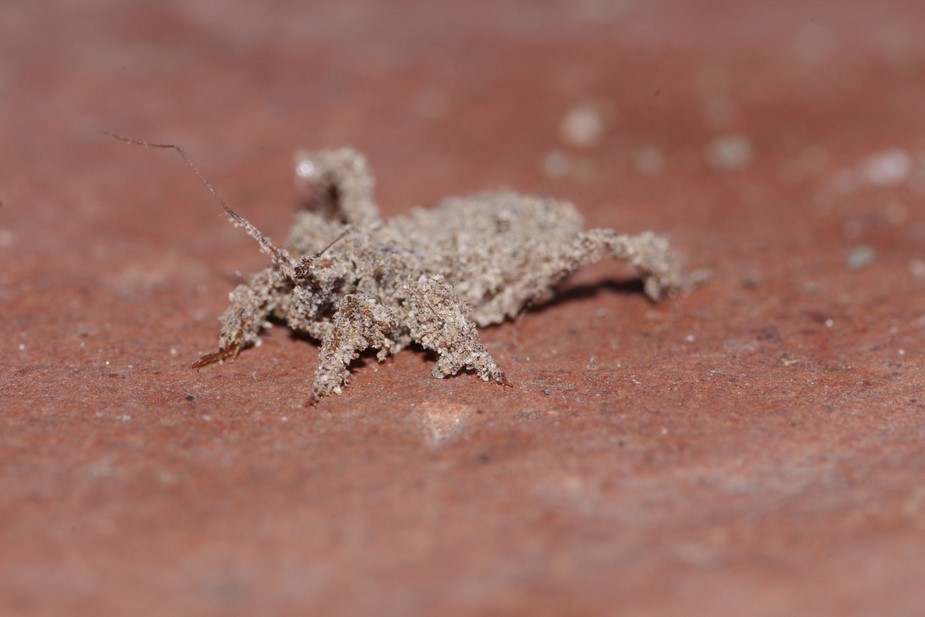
[[280, 257]]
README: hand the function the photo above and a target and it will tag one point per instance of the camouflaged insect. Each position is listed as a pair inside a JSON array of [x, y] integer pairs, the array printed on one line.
[[355, 281]]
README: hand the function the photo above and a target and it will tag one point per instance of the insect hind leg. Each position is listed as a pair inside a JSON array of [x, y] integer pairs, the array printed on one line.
[[338, 185], [649, 253]]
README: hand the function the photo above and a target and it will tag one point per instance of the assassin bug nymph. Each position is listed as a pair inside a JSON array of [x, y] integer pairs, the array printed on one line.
[[355, 281]]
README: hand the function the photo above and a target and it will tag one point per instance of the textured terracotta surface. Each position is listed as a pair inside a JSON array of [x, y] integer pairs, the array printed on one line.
[[752, 448]]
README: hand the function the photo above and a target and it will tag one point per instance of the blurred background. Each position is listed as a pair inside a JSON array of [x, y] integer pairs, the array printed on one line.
[[752, 448]]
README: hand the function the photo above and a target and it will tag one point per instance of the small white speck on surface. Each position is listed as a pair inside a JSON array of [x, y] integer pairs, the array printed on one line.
[[917, 268], [860, 257], [173, 351], [583, 126], [902, 352], [829, 323], [22, 347], [730, 152], [649, 161], [690, 338], [883, 169], [556, 164], [305, 169], [125, 417], [886, 168]]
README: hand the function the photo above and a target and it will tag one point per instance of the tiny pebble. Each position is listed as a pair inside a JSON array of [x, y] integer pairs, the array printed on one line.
[[860, 257], [730, 152], [582, 126]]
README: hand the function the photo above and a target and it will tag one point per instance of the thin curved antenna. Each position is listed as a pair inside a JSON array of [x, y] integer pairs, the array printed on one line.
[[280, 256]]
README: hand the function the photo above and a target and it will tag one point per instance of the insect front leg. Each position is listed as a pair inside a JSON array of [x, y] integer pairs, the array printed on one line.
[[251, 304]]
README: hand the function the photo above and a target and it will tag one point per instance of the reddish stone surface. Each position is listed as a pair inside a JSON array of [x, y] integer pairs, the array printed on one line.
[[752, 448]]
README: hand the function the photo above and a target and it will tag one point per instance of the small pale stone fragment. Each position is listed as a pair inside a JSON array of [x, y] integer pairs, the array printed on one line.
[[730, 152]]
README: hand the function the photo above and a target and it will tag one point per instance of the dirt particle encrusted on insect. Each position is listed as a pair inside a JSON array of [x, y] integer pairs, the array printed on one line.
[[355, 281]]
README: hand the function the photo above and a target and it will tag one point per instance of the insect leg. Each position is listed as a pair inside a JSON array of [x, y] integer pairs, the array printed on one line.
[[359, 323], [649, 253], [338, 184], [441, 322], [251, 304]]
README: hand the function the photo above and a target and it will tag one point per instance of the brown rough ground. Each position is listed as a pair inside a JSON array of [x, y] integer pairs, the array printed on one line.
[[753, 448]]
